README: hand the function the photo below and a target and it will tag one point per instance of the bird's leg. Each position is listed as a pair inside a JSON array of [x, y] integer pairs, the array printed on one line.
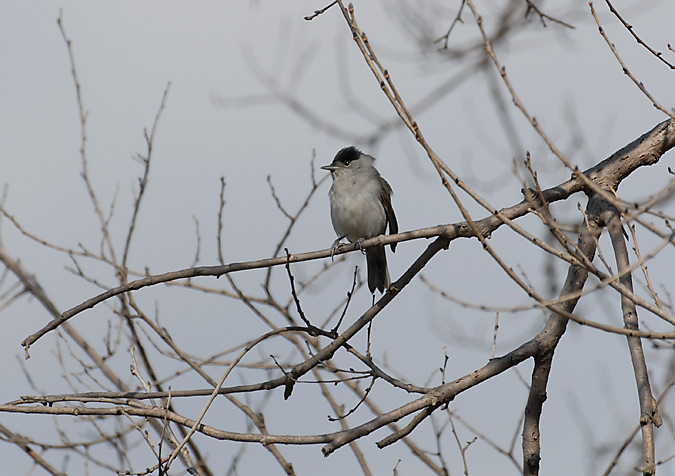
[[359, 242], [334, 247]]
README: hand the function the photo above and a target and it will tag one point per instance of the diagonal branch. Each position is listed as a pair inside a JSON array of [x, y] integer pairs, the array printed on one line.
[[574, 283]]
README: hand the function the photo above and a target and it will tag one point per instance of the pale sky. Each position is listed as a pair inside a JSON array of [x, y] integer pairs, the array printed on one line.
[[216, 53]]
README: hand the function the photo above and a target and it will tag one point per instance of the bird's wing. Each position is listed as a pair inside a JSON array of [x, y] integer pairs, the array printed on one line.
[[385, 198]]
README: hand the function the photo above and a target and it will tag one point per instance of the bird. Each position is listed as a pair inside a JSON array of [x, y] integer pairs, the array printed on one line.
[[360, 208]]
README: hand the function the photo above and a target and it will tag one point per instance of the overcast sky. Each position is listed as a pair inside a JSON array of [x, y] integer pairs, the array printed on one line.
[[221, 119]]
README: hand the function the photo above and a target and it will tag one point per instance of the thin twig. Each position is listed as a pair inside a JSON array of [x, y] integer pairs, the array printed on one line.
[[625, 69], [143, 181], [319, 12], [631, 30]]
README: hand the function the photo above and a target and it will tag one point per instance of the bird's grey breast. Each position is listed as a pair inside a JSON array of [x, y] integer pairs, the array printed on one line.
[[356, 209]]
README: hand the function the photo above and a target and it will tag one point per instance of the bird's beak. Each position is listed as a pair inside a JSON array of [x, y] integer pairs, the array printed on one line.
[[330, 167]]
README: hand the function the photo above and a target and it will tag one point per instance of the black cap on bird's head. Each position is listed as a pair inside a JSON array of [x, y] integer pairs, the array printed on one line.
[[343, 158], [347, 155]]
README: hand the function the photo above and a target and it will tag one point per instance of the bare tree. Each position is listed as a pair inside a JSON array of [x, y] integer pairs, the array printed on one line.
[[169, 407]]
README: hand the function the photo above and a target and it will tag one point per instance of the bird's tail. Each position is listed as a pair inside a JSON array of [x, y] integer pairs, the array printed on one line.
[[378, 274]]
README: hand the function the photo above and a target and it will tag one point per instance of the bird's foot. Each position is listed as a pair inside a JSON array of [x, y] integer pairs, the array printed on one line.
[[334, 247], [359, 242]]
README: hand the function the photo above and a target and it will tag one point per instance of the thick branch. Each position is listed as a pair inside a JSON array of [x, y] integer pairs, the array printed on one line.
[[649, 413], [163, 414], [576, 277]]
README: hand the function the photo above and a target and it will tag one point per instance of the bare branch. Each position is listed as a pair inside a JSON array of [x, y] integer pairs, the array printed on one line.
[[631, 30], [639, 84], [649, 413], [143, 181]]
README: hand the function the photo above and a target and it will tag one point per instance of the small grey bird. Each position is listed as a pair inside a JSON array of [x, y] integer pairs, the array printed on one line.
[[360, 208]]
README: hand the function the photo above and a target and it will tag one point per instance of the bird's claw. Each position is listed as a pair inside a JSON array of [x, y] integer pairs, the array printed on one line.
[[334, 247], [359, 242]]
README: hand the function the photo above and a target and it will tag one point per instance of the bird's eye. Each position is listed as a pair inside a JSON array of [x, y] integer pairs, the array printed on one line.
[[347, 162]]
